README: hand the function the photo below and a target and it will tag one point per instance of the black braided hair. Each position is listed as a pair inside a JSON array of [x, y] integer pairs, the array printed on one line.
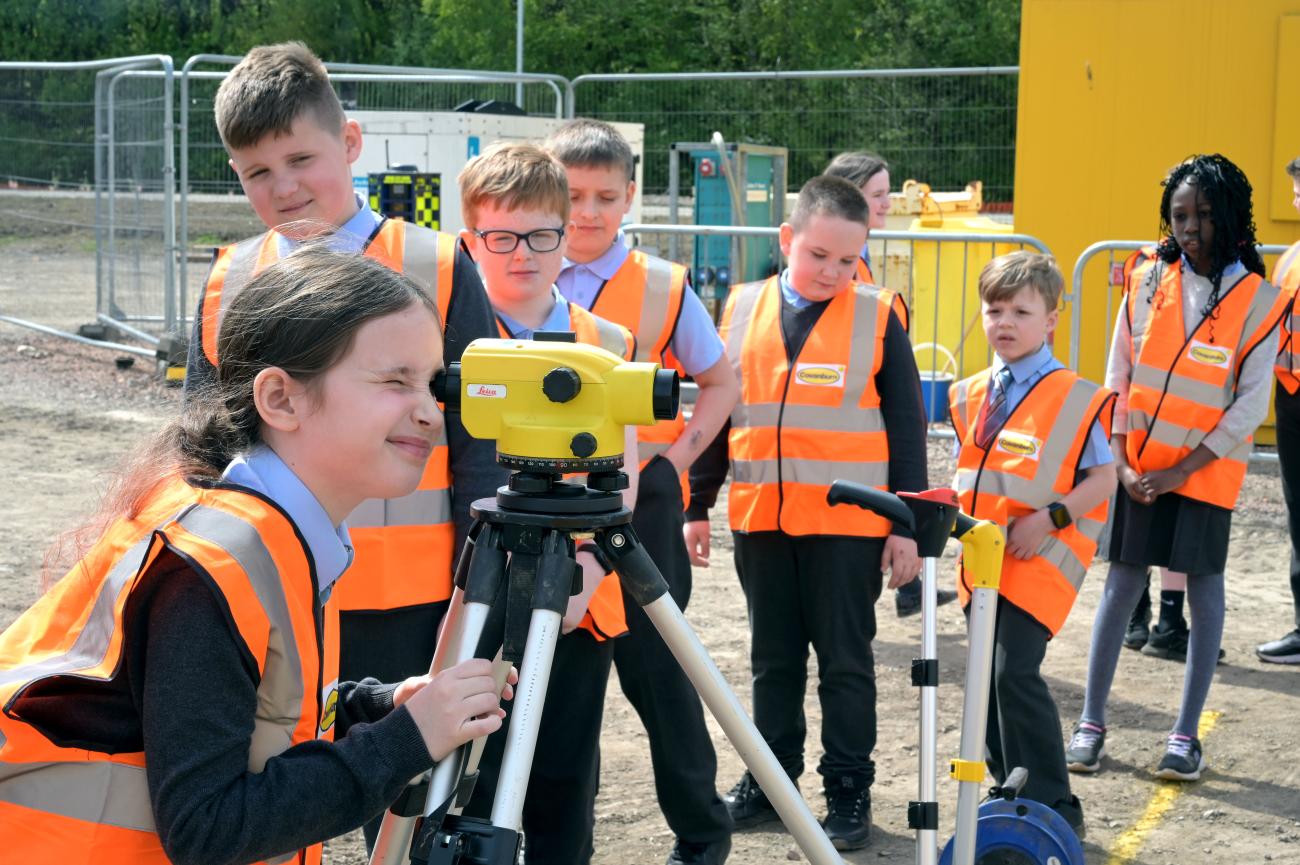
[[1228, 192]]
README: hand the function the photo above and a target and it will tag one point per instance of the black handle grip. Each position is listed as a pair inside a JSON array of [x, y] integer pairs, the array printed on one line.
[[888, 505], [964, 525]]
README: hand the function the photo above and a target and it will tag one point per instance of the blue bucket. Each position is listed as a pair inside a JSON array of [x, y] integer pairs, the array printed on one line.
[[938, 369]]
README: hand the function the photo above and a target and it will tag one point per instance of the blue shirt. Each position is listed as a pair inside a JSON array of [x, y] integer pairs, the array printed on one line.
[[351, 236], [558, 319], [262, 470], [695, 341], [792, 297], [1025, 373]]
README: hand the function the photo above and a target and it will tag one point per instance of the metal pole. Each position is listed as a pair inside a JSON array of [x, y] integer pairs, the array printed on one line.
[[927, 840], [519, 51], [170, 313]]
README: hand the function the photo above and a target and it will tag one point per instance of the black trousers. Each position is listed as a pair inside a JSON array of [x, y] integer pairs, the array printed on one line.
[[1024, 727], [559, 806], [820, 591], [681, 752], [1287, 409]]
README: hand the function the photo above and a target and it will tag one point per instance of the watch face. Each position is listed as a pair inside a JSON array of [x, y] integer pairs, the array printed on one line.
[[1060, 516]]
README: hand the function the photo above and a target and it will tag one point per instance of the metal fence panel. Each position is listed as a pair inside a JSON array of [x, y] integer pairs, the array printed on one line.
[[942, 126]]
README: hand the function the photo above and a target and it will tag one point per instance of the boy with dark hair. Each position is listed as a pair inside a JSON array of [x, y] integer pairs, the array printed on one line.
[[829, 390], [292, 147], [1286, 406], [653, 298], [1034, 457]]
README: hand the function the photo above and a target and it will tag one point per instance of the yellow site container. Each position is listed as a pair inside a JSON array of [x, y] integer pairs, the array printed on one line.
[[945, 287]]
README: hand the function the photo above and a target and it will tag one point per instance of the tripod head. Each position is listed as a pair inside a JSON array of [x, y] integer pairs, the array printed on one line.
[[553, 405]]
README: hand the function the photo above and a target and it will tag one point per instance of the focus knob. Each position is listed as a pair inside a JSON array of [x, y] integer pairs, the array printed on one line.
[[583, 445], [561, 384]]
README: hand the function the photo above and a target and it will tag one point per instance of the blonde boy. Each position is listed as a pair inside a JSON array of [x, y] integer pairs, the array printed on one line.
[[515, 204], [828, 390], [1034, 457]]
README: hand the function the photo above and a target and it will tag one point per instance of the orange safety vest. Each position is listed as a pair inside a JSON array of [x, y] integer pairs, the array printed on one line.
[[1181, 386], [1137, 265], [799, 426], [605, 616], [1033, 461], [403, 547], [893, 298], [645, 295], [68, 804], [1286, 276]]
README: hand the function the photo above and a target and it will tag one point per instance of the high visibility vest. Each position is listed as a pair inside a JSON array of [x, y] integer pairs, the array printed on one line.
[[403, 547], [1032, 461], [1181, 386], [891, 297], [799, 426], [591, 329], [1136, 266], [605, 616], [645, 295], [69, 804], [1286, 276]]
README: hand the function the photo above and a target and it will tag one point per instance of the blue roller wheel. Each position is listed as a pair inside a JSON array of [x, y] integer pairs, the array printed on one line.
[[1021, 832]]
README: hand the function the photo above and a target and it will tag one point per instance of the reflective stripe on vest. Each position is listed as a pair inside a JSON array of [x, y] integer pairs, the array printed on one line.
[[645, 295], [251, 555], [1286, 276], [1033, 461], [794, 430], [398, 538], [891, 297], [1181, 386]]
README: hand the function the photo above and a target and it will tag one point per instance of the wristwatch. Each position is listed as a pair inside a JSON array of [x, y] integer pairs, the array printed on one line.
[[1059, 514]]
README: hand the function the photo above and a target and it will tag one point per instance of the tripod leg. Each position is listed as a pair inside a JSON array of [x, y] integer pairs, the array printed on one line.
[[643, 581], [974, 720]]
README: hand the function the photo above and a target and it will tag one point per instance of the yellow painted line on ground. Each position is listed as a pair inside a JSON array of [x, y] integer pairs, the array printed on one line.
[[1130, 841]]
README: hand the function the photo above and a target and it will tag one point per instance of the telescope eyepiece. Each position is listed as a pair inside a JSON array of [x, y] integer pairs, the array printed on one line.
[[446, 386], [666, 394]]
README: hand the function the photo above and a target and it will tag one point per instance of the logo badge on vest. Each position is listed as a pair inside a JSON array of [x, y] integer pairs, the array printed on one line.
[[820, 374], [486, 391], [329, 705], [1019, 444], [1210, 355]]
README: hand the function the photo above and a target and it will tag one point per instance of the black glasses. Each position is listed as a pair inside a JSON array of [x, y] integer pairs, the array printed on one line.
[[503, 241]]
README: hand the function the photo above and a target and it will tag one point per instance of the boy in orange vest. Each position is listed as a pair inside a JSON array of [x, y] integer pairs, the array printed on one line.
[[653, 299], [1034, 457], [1286, 402], [515, 204], [292, 147], [828, 390]]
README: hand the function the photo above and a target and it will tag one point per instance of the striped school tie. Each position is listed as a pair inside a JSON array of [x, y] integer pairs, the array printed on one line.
[[995, 410]]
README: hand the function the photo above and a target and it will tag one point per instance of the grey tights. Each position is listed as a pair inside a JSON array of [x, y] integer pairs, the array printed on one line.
[[1123, 585]]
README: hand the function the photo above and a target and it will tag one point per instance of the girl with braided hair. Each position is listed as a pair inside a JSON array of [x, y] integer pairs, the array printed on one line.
[[1190, 362]]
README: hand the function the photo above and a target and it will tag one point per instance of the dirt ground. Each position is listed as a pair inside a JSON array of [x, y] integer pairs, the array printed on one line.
[[67, 414]]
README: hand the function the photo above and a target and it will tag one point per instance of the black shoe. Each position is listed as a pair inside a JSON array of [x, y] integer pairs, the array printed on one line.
[[700, 852], [910, 604], [1170, 644], [1139, 624], [748, 805], [1283, 651], [848, 812]]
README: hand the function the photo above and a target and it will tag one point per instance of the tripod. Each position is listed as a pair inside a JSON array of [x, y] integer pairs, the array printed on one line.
[[513, 582]]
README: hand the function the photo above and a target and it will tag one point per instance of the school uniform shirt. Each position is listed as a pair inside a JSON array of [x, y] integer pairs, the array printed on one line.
[[695, 341], [900, 405], [184, 686], [1254, 384], [556, 319], [1025, 373]]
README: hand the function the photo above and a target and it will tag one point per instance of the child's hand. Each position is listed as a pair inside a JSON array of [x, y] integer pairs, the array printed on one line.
[[456, 705], [1160, 482], [1131, 481], [1026, 534], [696, 534], [901, 560]]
